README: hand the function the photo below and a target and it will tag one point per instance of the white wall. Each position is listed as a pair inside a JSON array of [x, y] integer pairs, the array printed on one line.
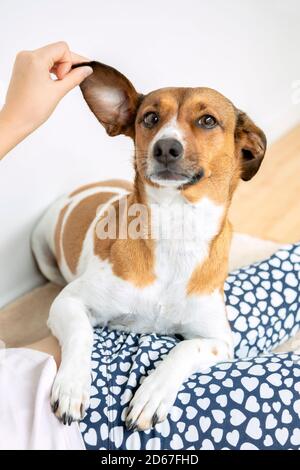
[[248, 50]]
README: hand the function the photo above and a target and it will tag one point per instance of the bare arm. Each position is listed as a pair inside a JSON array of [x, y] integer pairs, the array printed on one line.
[[33, 95]]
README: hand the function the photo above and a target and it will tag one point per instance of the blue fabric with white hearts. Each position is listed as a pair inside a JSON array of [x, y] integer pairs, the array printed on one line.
[[250, 403], [263, 302]]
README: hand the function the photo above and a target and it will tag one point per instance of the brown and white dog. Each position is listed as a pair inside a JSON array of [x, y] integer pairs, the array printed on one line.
[[191, 148]]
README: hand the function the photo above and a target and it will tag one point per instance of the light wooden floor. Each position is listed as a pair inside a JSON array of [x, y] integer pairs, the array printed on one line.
[[268, 206]]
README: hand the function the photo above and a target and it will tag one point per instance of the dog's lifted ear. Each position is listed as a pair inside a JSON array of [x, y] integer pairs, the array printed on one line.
[[111, 97], [251, 144]]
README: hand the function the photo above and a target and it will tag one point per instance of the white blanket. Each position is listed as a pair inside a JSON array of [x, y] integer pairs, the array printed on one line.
[[27, 422]]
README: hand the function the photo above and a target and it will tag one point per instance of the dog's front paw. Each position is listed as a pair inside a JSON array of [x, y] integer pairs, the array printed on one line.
[[152, 401], [71, 394]]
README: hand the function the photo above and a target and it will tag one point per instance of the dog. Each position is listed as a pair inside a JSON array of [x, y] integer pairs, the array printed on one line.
[[192, 146]]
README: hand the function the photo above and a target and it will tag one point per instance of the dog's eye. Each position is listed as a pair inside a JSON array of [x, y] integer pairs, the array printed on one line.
[[150, 119], [207, 121]]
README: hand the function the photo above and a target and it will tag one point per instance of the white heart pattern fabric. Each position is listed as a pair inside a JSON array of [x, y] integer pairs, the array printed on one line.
[[278, 300], [250, 403]]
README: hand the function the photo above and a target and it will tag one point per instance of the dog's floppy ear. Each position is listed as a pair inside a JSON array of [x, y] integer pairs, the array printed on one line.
[[251, 144], [111, 97]]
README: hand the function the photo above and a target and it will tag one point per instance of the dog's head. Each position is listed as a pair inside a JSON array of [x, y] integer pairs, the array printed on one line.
[[183, 136]]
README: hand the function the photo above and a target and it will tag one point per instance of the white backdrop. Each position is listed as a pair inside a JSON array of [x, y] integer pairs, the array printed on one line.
[[248, 50]]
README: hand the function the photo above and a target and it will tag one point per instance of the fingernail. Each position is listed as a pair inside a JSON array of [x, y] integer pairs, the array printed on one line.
[[86, 70]]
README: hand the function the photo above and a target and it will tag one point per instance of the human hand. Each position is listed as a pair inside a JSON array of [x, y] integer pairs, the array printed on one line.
[[32, 94]]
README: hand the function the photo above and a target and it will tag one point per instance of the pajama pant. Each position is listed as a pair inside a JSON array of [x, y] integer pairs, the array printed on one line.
[[252, 402]]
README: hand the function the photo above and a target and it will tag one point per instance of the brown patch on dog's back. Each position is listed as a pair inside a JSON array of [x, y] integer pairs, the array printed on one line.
[[112, 183], [77, 224], [57, 233]]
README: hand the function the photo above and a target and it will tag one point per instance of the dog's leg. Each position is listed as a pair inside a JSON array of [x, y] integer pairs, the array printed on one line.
[[69, 322], [154, 398]]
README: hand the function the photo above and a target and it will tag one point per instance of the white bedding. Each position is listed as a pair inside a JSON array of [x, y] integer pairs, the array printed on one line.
[[27, 422]]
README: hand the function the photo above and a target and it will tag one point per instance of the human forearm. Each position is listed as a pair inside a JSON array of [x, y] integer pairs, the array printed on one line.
[[11, 133], [33, 95]]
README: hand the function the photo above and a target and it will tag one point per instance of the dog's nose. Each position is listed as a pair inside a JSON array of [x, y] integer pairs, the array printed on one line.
[[167, 150]]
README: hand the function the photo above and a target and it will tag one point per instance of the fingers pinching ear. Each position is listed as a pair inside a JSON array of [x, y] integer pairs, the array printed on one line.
[[74, 78]]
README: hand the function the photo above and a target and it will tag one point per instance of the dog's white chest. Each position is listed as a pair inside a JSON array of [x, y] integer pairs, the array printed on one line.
[[163, 306], [159, 307]]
